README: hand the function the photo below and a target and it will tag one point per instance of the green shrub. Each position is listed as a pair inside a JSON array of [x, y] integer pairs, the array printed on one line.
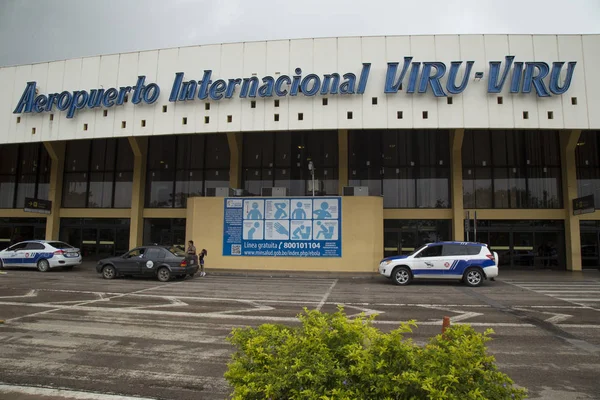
[[333, 357]]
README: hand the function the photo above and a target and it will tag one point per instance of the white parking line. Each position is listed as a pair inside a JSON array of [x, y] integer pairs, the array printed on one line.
[[327, 294], [65, 393]]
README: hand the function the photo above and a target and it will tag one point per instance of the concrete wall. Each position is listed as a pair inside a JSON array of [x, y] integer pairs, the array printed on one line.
[[474, 108], [362, 238]]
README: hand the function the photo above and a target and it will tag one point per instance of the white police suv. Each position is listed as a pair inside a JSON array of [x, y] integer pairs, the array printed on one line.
[[468, 262], [41, 254]]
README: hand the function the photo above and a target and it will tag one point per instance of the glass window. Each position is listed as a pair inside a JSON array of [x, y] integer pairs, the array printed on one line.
[[75, 190], [136, 252], [60, 245], [433, 190], [455, 250], [154, 254], [35, 246], [544, 187], [25, 188], [431, 251], [217, 152], [123, 189], [18, 246], [77, 155], [159, 191], [410, 167], [8, 158], [281, 160]]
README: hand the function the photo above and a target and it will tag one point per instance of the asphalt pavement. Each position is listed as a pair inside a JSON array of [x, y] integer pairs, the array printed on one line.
[[74, 335]]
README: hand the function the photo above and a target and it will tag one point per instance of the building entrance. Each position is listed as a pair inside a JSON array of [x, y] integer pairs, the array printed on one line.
[[403, 236], [590, 244], [96, 237], [530, 244], [14, 230]]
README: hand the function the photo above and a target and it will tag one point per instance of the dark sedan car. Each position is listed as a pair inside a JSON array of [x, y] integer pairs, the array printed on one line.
[[163, 262]]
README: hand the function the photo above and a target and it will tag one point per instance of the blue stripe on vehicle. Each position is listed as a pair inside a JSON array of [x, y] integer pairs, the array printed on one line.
[[427, 272], [462, 265]]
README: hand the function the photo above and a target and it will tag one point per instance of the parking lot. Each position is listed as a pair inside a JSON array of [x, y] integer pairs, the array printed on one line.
[[138, 337]]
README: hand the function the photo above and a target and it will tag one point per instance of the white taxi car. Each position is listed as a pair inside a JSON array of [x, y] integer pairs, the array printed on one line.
[[468, 262], [41, 254]]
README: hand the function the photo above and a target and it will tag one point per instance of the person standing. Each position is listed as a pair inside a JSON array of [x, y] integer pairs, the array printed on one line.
[[203, 253], [191, 252]]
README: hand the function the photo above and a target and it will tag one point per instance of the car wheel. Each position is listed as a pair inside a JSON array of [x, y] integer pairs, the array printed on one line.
[[109, 272], [43, 265], [163, 274], [473, 277], [1, 265], [401, 276]]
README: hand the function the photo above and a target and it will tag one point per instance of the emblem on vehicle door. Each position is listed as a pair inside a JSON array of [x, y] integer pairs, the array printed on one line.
[[149, 264], [446, 264], [429, 264]]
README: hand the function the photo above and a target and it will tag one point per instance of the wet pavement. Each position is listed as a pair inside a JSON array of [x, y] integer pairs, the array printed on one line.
[[128, 338]]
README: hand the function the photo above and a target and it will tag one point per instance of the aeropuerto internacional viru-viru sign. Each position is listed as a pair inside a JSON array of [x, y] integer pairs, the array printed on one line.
[[283, 227]]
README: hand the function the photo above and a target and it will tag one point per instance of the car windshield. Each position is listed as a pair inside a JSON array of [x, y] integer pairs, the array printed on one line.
[[60, 245], [176, 251]]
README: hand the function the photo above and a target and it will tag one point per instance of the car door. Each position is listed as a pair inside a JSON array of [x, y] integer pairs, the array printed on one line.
[[129, 264], [20, 254], [10, 257], [429, 262], [32, 253], [455, 257], [151, 259]]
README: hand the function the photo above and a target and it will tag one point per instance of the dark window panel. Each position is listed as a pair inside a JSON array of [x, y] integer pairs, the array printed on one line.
[[544, 188], [77, 156], [159, 189], [283, 150], [161, 152], [482, 148], [483, 188], [468, 158], [29, 158], [124, 155], [433, 188], [217, 151], [123, 189], [100, 191], [75, 190], [469, 187], [9, 154], [7, 188], [500, 148], [588, 149], [25, 188]]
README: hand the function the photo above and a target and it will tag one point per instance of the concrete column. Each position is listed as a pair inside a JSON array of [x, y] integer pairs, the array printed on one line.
[[139, 146], [342, 160], [568, 144], [56, 151], [235, 159], [458, 212]]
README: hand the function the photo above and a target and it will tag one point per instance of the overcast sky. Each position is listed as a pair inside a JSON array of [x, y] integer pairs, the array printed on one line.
[[45, 30]]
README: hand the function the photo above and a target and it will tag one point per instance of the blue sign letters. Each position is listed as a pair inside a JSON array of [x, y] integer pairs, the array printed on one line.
[[412, 77]]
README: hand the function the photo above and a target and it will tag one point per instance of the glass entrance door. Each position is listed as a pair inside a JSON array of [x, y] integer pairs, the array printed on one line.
[[97, 238], [106, 242]]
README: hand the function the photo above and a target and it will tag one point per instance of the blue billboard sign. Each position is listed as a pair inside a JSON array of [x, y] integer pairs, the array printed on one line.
[[283, 227]]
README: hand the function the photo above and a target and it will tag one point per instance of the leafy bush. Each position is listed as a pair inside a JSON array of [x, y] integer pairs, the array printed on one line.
[[333, 357]]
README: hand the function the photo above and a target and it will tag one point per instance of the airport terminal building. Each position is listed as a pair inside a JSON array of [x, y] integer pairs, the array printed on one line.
[[311, 154]]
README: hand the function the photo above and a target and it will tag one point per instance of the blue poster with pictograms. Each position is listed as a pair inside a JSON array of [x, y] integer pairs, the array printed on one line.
[[283, 227]]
